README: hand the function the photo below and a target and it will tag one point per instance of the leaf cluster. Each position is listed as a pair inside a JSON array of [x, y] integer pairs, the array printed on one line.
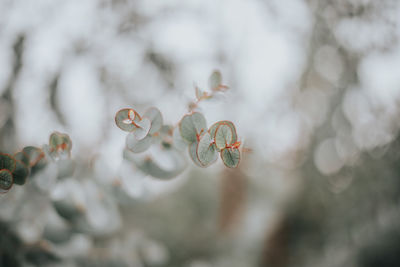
[[202, 143], [16, 168], [144, 131]]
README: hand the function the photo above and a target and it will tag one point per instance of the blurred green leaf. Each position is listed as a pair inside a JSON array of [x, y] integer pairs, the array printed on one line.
[[154, 115], [230, 157], [223, 136], [179, 143], [6, 179], [20, 173], [143, 130], [215, 80], [66, 168], [191, 126], [7, 162], [67, 209], [138, 146], [150, 167], [59, 141], [206, 151]]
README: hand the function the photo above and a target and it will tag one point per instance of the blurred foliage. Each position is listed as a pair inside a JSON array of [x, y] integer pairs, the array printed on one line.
[[313, 85]]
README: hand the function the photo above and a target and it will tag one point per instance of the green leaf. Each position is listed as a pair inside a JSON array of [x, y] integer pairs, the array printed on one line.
[[126, 119], [34, 154], [193, 153], [223, 136], [6, 179], [69, 199], [37, 158], [67, 210], [214, 127], [7, 162], [230, 157], [154, 115], [59, 141], [143, 130], [138, 146], [23, 157], [20, 173], [215, 80], [150, 167], [192, 126], [206, 150]]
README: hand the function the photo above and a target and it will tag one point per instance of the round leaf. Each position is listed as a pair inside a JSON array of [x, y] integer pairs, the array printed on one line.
[[6, 179], [7, 162], [20, 173], [223, 136], [143, 130], [215, 80], [154, 115], [191, 126], [206, 151], [214, 127], [125, 121], [138, 146], [230, 157]]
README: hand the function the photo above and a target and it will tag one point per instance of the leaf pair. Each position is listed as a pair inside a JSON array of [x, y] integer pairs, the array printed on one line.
[[140, 139], [204, 145], [192, 128], [225, 138]]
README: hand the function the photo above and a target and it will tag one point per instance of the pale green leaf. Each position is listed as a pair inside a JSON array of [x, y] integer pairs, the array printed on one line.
[[143, 130], [138, 146], [152, 168], [59, 141], [206, 151], [215, 80], [223, 136], [214, 127], [124, 119], [154, 115], [192, 126], [193, 153], [178, 142], [230, 157]]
